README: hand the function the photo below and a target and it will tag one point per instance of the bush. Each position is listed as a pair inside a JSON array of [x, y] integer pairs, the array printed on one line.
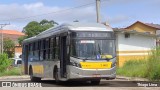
[[133, 68], [146, 68], [12, 72], [153, 65], [4, 62]]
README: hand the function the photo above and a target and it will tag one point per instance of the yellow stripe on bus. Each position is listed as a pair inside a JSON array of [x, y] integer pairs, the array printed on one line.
[[38, 69], [96, 65]]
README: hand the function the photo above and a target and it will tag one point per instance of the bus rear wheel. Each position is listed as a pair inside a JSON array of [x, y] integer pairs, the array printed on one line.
[[95, 82], [56, 77], [32, 78]]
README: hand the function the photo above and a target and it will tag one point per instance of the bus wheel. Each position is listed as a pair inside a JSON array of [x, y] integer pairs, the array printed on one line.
[[56, 76], [95, 82], [32, 78]]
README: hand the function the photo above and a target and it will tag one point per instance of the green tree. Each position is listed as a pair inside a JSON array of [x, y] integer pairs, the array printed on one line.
[[20, 39], [33, 28], [9, 47]]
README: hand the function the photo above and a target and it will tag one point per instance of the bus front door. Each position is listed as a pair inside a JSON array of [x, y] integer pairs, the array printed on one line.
[[63, 56], [25, 52]]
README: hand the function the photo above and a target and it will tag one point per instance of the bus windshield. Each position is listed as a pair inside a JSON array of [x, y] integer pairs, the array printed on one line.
[[93, 49]]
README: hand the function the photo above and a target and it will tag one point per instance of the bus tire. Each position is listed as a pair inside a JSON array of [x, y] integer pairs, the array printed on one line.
[[32, 78], [56, 76], [95, 82]]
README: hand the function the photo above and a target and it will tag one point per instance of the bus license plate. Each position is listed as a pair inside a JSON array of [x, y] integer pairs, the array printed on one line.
[[96, 65], [96, 75]]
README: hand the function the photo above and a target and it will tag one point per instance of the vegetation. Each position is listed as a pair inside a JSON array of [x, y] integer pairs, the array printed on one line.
[[9, 47], [6, 67], [11, 72], [33, 28], [153, 65], [149, 68], [134, 68], [20, 39], [4, 62]]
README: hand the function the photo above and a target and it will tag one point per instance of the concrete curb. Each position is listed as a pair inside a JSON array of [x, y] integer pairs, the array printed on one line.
[[131, 78], [14, 77]]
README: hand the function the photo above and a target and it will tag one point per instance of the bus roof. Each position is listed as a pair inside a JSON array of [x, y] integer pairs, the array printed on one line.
[[75, 26]]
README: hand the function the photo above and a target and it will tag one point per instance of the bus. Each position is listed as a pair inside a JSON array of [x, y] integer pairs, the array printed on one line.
[[71, 51]]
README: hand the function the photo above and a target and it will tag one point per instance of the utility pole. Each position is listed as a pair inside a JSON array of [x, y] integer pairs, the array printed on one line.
[[1, 27], [98, 10]]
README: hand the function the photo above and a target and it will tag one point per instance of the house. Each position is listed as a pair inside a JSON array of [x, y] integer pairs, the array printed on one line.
[[13, 35], [136, 41], [146, 28], [133, 45]]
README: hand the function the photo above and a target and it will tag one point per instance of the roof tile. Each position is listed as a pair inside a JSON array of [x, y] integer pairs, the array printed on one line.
[[13, 32]]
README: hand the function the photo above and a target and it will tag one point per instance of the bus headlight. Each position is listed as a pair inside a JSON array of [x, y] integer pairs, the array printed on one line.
[[75, 64]]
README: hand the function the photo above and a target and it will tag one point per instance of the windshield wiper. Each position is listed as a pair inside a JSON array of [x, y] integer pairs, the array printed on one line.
[[99, 49], [109, 58], [77, 57]]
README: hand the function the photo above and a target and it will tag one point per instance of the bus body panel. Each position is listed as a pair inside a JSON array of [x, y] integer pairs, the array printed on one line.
[[78, 73]]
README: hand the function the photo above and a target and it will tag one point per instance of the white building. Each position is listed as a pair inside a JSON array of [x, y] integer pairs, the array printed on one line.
[[133, 45]]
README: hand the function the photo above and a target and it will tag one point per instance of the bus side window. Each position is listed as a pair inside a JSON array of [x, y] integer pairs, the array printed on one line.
[[36, 51], [41, 50], [57, 48], [44, 51], [54, 47], [47, 48], [51, 48], [31, 51]]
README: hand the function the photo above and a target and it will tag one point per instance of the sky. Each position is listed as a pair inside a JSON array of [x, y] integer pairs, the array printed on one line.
[[118, 13]]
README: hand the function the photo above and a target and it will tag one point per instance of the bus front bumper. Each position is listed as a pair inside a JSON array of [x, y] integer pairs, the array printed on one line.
[[79, 73]]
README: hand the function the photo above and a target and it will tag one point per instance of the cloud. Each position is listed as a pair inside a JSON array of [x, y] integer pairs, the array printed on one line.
[[13, 27], [12, 12]]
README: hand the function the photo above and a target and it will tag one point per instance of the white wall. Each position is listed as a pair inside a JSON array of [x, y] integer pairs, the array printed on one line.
[[135, 42], [158, 33]]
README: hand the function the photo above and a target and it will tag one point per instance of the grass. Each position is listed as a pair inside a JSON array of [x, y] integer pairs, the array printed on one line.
[[146, 68], [133, 68], [12, 72]]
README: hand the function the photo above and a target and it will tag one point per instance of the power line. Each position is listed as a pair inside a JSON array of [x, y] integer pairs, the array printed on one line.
[[51, 12]]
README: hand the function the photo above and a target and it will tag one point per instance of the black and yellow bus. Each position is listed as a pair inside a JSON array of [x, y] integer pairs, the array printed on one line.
[[73, 51]]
